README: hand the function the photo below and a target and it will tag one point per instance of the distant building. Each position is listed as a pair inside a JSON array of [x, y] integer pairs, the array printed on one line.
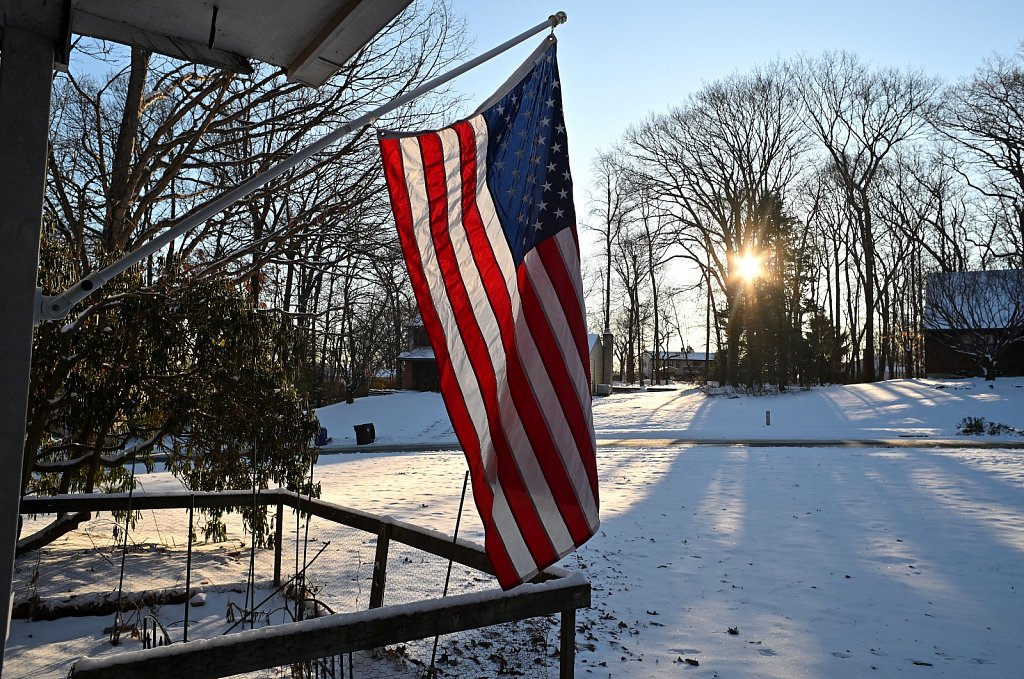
[[974, 323], [685, 366], [417, 368]]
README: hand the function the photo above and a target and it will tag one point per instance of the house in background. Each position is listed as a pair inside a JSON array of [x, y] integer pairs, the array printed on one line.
[[417, 367], [685, 366], [974, 323]]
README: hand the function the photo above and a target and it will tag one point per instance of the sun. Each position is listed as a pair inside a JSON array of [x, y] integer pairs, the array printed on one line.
[[748, 266]]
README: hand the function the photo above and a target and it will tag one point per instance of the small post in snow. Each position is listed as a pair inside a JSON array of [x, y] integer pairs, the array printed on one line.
[[767, 418]]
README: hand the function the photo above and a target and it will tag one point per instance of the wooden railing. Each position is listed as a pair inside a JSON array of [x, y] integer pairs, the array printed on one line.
[[553, 592]]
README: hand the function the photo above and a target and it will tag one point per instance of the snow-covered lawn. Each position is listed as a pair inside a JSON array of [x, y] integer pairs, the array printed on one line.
[[885, 410], [752, 561]]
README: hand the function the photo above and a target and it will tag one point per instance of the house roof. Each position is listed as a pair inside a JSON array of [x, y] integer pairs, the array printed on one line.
[[974, 300], [309, 39], [417, 354], [681, 356]]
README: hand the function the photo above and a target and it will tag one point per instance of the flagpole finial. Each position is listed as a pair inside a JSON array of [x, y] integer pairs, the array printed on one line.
[[557, 19]]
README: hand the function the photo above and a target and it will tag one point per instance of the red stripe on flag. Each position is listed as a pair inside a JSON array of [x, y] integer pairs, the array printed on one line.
[[553, 357], [541, 438], [454, 399], [554, 264], [510, 477], [562, 281]]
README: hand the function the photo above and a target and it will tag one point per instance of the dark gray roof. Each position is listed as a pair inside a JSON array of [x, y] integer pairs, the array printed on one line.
[[681, 356], [975, 300]]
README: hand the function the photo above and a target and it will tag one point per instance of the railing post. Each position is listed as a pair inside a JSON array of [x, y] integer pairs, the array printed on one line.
[[188, 566], [380, 566], [567, 652], [278, 538]]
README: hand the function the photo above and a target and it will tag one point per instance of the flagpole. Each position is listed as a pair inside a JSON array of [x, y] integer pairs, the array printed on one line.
[[57, 307]]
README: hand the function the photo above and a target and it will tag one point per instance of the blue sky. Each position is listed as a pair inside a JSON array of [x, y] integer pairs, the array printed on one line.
[[620, 61]]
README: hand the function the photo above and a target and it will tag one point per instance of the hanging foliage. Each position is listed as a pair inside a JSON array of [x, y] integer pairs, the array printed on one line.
[[183, 367]]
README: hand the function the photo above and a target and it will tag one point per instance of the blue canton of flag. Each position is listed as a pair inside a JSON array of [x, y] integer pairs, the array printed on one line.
[[528, 159]]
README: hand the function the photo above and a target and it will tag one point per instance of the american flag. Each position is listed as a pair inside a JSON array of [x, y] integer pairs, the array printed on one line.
[[485, 215]]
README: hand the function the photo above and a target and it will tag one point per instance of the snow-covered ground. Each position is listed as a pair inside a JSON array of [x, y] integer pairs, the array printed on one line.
[[884, 410], [782, 561]]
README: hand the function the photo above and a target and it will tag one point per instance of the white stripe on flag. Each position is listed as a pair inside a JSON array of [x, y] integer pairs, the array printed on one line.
[[571, 359], [506, 524], [559, 327], [512, 424], [529, 354]]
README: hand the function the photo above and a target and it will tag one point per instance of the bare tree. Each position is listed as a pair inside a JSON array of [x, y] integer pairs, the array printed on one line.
[[630, 268], [929, 202], [131, 154], [655, 233], [984, 115], [859, 115], [831, 247], [134, 152], [610, 205], [929, 223], [712, 163]]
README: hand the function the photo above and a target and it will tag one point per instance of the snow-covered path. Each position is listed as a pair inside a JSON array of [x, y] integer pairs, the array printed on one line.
[[885, 410]]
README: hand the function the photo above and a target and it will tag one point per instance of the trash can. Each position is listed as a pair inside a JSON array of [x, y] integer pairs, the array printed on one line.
[[364, 433], [322, 438]]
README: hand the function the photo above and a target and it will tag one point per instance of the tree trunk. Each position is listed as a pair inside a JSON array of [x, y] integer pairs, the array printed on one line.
[[868, 242], [656, 357], [117, 229], [707, 331], [55, 530], [608, 283]]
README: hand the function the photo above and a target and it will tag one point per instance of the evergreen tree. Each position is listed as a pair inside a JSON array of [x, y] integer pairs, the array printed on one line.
[[185, 367], [764, 311], [823, 350]]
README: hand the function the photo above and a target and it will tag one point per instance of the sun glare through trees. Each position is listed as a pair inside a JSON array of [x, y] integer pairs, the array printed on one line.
[[748, 266]]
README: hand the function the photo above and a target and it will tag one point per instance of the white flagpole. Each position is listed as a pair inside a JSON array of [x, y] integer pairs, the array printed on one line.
[[57, 307]]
